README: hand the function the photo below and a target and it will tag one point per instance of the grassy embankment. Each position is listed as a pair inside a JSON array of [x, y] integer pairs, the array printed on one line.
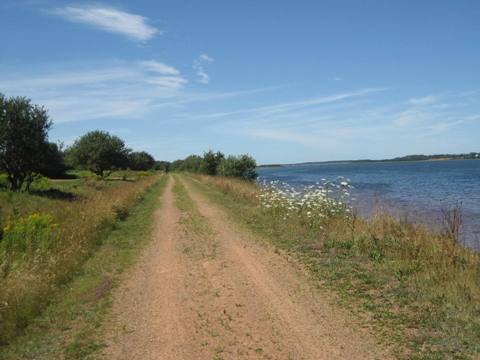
[[62, 247], [418, 290]]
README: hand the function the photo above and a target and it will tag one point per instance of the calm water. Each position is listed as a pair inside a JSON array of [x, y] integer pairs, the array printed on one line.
[[420, 191]]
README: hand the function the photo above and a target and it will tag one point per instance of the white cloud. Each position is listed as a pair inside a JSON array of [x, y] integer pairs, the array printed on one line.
[[199, 66], [109, 19], [206, 58], [425, 100], [158, 67]]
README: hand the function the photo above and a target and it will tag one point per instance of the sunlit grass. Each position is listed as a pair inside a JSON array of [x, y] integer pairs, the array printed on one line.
[[79, 214], [71, 326]]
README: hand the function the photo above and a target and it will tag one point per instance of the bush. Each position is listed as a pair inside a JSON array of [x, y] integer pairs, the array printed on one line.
[[121, 212], [211, 161], [140, 160], [242, 166], [28, 235], [41, 182], [144, 173]]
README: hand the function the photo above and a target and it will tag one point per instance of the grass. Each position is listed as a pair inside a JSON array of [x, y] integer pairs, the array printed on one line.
[[46, 239], [194, 224], [418, 290], [71, 325]]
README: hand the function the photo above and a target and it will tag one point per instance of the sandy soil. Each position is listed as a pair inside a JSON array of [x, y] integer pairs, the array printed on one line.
[[222, 294]]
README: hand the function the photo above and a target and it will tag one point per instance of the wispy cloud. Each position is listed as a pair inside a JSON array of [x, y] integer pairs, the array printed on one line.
[[425, 100], [133, 26], [199, 66], [341, 123], [112, 90], [293, 105], [158, 67], [126, 89]]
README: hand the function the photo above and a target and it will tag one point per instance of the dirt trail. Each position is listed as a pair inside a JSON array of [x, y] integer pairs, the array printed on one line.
[[220, 295], [148, 306]]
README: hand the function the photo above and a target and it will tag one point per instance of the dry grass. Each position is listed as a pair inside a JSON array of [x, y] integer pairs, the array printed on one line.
[[27, 281], [419, 289]]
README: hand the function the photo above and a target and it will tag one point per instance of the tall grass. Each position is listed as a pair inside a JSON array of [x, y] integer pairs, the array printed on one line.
[[420, 289], [42, 250]]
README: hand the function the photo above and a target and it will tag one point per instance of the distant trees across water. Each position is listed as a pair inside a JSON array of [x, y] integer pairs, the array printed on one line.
[[472, 155]]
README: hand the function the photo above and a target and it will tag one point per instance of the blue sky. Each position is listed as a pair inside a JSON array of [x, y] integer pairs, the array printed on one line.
[[286, 81]]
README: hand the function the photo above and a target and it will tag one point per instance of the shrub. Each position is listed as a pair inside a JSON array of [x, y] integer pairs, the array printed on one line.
[[144, 173], [211, 161], [24, 236], [121, 212], [242, 166], [41, 182], [140, 160]]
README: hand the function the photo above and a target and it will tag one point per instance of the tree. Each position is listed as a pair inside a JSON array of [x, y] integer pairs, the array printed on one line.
[[140, 160], [23, 139], [243, 166], [53, 162], [211, 161], [176, 165], [191, 163], [162, 166], [99, 152]]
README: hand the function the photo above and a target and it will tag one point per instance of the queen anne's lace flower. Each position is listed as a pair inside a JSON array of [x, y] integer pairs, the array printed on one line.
[[313, 203]]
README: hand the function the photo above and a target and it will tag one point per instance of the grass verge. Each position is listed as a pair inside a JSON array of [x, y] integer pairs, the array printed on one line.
[[71, 325], [46, 240], [419, 292], [194, 225]]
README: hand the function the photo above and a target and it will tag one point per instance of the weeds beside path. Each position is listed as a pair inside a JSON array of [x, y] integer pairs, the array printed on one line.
[[71, 325]]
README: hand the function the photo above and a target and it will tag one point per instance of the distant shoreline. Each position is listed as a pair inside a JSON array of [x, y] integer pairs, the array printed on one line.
[[408, 158]]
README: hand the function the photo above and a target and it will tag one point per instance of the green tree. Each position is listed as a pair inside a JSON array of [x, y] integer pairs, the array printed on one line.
[[53, 162], [99, 152], [191, 163], [211, 161], [140, 160], [23, 138], [176, 165], [242, 166], [162, 166]]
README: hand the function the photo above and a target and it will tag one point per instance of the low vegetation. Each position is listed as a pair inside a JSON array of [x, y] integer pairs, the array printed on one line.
[[46, 240], [420, 290], [70, 327]]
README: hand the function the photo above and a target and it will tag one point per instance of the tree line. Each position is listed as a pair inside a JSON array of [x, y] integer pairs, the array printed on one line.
[[216, 163], [26, 152]]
